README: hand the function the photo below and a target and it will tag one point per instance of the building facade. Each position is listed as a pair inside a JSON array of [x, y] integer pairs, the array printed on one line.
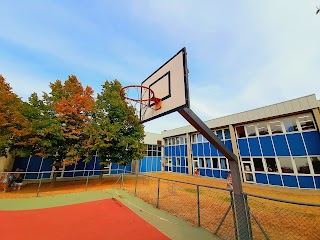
[[276, 145]]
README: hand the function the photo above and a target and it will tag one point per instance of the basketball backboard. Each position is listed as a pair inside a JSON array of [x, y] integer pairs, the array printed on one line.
[[170, 84]]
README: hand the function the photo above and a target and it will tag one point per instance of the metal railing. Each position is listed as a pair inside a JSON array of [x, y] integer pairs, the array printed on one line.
[[205, 206]]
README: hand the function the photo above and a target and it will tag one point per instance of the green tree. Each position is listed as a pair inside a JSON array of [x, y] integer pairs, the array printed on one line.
[[116, 134]]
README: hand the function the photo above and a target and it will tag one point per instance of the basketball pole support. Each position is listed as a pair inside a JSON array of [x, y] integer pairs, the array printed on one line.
[[242, 221]]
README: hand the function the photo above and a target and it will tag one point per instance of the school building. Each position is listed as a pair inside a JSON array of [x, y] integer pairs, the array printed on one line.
[[276, 145]]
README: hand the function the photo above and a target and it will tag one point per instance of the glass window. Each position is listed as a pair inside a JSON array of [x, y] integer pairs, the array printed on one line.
[[185, 140], [169, 141], [240, 132], [208, 162], [178, 161], [245, 159], [194, 138], [154, 153], [177, 141], [201, 162], [306, 122], [263, 128], [316, 164], [271, 165], [223, 163], [215, 163], [149, 147], [251, 130], [166, 142], [249, 177], [181, 140], [227, 133], [275, 127], [219, 134], [173, 141], [290, 124], [258, 164], [187, 162], [247, 167], [149, 153], [302, 165], [200, 138], [154, 147], [286, 164]]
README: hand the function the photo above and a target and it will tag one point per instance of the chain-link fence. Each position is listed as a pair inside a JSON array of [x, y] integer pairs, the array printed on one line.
[[210, 207], [216, 209]]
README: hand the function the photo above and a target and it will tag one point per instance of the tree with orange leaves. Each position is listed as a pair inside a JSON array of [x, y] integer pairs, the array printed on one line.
[[14, 126]]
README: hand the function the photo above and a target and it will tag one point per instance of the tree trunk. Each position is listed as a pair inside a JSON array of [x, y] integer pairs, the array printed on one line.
[[54, 179], [101, 176]]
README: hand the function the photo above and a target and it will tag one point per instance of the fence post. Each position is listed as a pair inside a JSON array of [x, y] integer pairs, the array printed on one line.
[[135, 186], [39, 184], [87, 181], [198, 196], [122, 182], [158, 198], [234, 216], [245, 196]]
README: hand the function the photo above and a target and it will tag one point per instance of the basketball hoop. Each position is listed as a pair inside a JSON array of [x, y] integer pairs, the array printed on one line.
[[134, 94]]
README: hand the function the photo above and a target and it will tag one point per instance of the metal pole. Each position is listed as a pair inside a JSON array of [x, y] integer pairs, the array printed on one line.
[[158, 198], [122, 182], [87, 181], [135, 186], [39, 185], [242, 220], [198, 196], [234, 216]]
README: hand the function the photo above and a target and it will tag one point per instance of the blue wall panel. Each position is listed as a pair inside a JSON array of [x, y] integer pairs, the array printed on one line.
[[243, 147], [214, 151], [317, 181], [21, 163], [296, 144], [209, 173], [274, 179], [202, 172], [166, 151], [174, 169], [194, 150], [217, 173], [306, 181], [228, 145], [266, 145], [79, 166], [178, 169], [178, 152], [206, 148], [183, 170], [280, 145], [254, 147], [224, 174], [261, 178], [97, 166], [143, 164], [68, 171], [34, 166], [149, 163], [312, 141], [200, 149], [46, 166], [289, 181]]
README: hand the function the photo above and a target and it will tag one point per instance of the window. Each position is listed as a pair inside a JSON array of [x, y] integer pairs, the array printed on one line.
[[275, 127], [263, 128], [166, 142], [223, 163], [194, 138], [169, 141], [178, 161], [227, 133], [251, 130], [240, 132], [208, 162], [220, 134], [177, 141], [201, 162], [181, 140], [159, 151], [302, 165], [286, 164], [271, 165], [316, 164], [215, 163], [200, 138], [247, 167], [306, 122], [173, 141], [290, 124], [258, 164]]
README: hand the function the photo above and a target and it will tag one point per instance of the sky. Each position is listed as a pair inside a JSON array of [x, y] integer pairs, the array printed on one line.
[[241, 54]]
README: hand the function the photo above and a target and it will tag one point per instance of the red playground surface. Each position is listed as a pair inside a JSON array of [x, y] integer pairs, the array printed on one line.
[[102, 219]]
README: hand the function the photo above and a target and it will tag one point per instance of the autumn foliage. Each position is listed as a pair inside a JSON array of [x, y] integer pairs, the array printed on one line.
[[69, 125]]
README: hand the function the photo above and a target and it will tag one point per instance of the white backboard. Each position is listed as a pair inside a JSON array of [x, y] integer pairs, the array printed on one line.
[[170, 84]]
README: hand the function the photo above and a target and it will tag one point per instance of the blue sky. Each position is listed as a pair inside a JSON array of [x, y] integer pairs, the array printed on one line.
[[241, 55]]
